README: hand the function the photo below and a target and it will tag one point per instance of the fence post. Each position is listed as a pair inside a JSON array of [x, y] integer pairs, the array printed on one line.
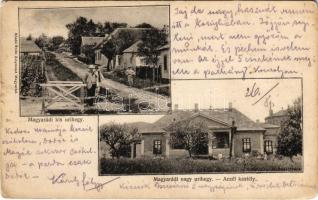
[[82, 94]]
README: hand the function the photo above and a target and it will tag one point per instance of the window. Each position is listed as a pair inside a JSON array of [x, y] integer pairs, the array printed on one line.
[[157, 148], [165, 62], [246, 145], [221, 140], [268, 146]]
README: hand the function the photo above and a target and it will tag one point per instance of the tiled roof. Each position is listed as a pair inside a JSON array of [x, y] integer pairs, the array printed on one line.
[[91, 40], [135, 32], [166, 46], [28, 46], [267, 125], [281, 113], [133, 48], [224, 115], [144, 127]]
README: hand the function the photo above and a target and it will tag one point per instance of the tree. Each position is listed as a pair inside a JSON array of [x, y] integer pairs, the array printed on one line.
[[144, 25], [291, 137], [118, 136], [81, 27], [190, 134], [29, 37], [151, 40], [109, 27], [116, 45], [88, 51], [109, 50], [56, 41], [42, 41]]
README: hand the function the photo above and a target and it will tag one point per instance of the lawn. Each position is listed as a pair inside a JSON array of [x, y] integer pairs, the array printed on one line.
[[181, 166]]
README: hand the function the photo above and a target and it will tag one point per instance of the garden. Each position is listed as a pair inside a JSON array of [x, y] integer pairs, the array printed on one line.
[[186, 165], [120, 76]]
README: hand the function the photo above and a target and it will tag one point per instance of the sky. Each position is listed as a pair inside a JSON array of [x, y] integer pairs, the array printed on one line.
[[52, 21], [219, 93]]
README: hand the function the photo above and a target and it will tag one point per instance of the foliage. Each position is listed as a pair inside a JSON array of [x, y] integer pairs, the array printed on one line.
[[144, 25], [116, 45], [118, 136], [81, 27], [51, 44], [42, 41], [31, 75], [119, 75], [109, 27], [29, 37], [56, 41], [191, 134], [88, 51], [151, 40], [290, 137], [175, 166], [84, 27]]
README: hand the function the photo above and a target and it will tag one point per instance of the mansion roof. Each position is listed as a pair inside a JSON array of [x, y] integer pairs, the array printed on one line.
[[222, 116]]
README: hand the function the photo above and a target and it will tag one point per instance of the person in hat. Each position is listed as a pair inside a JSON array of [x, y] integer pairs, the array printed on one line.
[[99, 78], [91, 83], [130, 73]]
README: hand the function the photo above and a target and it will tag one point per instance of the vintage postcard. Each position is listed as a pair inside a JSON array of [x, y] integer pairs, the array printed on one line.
[[159, 99]]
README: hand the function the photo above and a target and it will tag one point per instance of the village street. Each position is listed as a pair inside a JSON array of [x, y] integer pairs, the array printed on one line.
[[157, 102]]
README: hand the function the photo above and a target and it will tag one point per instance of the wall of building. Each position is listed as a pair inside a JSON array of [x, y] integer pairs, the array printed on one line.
[[128, 60], [165, 73], [257, 142], [272, 135], [100, 59], [149, 142]]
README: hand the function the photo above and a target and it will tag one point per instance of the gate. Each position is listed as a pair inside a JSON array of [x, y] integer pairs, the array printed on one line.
[[63, 96]]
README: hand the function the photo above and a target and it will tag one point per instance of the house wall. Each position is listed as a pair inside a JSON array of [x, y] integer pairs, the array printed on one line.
[[257, 142], [148, 140], [128, 60], [165, 73], [100, 59], [272, 135]]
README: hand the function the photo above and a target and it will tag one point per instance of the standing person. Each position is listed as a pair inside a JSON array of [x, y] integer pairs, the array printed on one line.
[[91, 83], [130, 73], [101, 90]]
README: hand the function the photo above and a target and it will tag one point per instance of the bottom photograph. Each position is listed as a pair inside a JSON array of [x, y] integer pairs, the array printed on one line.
[[216, 139]]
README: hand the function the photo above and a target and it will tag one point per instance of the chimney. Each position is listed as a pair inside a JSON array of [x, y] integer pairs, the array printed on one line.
[[196, 107], [230, 106], [270, 109], [175, 107]]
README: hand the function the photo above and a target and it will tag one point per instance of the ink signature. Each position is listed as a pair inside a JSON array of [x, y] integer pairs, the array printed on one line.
[[255, 92], [87, 183]]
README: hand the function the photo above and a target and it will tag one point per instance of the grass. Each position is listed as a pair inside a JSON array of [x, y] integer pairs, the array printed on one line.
[[181, 166], [60, 72]]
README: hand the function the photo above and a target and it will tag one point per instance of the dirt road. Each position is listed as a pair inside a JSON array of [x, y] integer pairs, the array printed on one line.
[[156, 102]]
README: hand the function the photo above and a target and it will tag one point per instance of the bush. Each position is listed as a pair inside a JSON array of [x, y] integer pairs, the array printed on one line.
[[120, 76], [31, 75], [162, 166]]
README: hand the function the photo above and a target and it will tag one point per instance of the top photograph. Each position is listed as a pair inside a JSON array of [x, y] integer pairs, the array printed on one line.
[[96, 60]]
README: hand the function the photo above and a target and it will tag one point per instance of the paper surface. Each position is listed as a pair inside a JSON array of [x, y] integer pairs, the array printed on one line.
[[233, 70]]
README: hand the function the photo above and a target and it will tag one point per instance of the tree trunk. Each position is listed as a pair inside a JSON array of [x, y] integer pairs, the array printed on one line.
[[108, 64], [291, 159], [190, 154]]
